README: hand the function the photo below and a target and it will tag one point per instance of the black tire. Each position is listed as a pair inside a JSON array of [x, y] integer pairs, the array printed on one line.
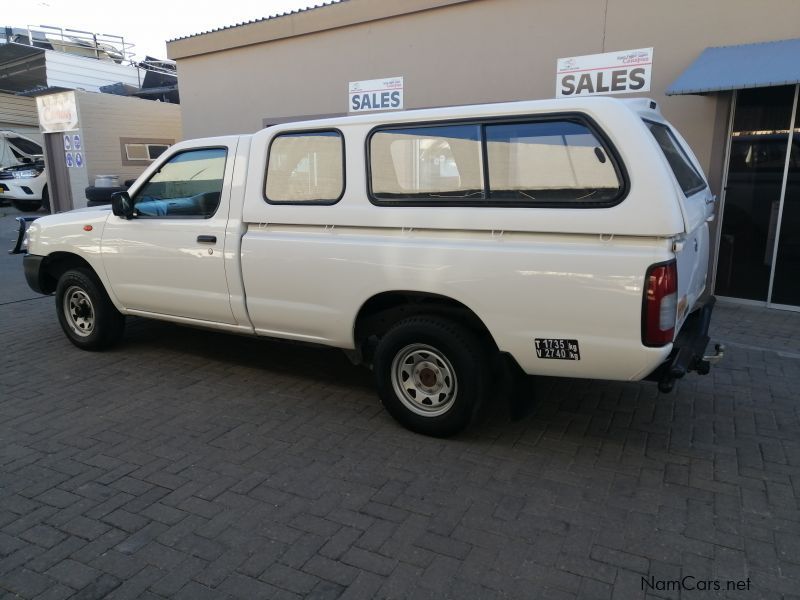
[[94, 323], [27, 205], [102, 194], [450, 366], [46, 199]]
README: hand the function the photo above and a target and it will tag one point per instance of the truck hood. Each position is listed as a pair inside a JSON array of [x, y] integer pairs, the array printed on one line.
[[80, 229]]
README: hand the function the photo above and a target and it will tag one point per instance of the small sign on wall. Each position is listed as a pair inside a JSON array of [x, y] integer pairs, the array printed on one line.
[[624, 72], [376, 94], [73, 159], [57, 112]]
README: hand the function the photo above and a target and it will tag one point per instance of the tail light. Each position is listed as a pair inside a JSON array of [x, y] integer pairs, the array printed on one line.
[[660, 304]]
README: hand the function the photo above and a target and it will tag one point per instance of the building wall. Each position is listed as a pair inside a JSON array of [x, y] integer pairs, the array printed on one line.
[[105, 118], [18, 113], [467, 52], [80, 72]]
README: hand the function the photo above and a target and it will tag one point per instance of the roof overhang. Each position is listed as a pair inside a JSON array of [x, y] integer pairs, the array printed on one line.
[[21, 68], [320, 18], [726, 68]]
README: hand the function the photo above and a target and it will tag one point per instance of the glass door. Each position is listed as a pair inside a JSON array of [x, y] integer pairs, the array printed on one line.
[[759, 228], [786, 281]]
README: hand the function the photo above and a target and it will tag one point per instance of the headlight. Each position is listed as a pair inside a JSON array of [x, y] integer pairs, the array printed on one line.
[[26, 174]]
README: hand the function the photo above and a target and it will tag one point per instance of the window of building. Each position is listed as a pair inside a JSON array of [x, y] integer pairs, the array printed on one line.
[[140, 152], [144, 152], [549, 161], [427, 163], [305, 167], [189, 184], [688, 178]]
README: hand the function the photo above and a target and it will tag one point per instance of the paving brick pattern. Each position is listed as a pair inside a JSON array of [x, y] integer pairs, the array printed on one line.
[[189, 464]]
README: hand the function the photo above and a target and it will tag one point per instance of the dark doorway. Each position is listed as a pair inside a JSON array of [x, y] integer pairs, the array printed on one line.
[[761, 220]]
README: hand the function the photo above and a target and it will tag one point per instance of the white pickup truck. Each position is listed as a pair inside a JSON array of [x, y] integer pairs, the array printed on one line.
[[561, 237]]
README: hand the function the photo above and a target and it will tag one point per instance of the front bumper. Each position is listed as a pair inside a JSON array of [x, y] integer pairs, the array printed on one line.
[[32, 265], [21, 189], [689, 350]]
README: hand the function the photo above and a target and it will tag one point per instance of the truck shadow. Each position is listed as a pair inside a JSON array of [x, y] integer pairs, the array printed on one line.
[[545, 409], [285, 357]]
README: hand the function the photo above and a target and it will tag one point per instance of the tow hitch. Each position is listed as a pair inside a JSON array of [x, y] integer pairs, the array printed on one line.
[[24, 222], [689, 350], [704, 366]]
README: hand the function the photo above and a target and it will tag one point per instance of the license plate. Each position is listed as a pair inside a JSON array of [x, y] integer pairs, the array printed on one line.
[[557, 349]]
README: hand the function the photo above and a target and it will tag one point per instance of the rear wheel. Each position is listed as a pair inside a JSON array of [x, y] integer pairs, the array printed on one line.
[[85, 312], [432, 374]]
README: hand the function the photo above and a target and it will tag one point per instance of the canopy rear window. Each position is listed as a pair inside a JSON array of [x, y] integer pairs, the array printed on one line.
[[688, 178]]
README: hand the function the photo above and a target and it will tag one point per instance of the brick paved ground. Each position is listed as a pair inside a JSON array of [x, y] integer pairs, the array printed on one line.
[[190, 464]]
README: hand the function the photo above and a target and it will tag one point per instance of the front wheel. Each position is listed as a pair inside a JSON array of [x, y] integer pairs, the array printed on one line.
[[85, 312], [432, 374]]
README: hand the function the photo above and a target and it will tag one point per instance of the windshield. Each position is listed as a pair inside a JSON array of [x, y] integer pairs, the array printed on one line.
[[25, 145]]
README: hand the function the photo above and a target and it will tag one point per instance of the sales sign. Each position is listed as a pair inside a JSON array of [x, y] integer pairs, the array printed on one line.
[[376, 94], [624, 72]]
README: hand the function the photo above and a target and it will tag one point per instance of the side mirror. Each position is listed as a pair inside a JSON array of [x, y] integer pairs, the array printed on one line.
[[122, 205]]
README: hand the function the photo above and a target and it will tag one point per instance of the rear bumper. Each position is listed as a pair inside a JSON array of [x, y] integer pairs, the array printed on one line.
[[689, 349]]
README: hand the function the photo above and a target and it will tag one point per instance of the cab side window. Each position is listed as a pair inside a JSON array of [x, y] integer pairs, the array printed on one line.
[[188, 185], [305, 168]]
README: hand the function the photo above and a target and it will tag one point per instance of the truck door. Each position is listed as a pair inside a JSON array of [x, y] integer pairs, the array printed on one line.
[[697, 205], [169, 259]]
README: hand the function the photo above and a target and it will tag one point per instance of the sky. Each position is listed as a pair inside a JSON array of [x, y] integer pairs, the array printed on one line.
[[146, 23]]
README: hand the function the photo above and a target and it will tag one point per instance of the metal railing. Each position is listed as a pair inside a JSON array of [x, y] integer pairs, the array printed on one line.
[[101, 46]]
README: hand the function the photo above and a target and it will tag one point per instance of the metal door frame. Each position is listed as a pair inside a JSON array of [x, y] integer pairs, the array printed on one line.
[[782, 199]]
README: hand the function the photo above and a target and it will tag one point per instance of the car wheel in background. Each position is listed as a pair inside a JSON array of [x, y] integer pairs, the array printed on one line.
[[27, 205]]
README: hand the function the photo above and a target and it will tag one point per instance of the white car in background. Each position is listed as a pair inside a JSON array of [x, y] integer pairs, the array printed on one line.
[[23, 180]]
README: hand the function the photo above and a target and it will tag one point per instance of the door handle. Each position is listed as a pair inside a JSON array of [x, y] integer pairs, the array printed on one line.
[[207, 239]]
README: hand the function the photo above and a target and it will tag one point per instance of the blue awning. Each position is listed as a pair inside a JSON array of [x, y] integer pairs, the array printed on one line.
[[737, 67]]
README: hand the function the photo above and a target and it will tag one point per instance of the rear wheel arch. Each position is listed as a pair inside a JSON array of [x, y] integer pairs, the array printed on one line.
[[379, 313]]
